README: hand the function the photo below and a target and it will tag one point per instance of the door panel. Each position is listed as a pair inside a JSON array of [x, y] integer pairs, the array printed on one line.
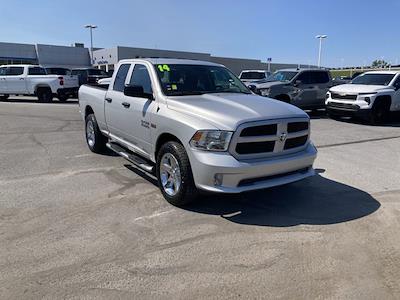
[[115, 113], [137, 126], [15, 80]]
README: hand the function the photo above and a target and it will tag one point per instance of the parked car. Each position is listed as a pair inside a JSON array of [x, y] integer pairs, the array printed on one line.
[[305, 88], [345, 79], [89, 75], [58, 71], [196, 126], [33, 80], [253, 76], [371, 95]]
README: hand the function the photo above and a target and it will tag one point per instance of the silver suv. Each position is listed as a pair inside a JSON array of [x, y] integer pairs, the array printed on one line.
[[305, 88]]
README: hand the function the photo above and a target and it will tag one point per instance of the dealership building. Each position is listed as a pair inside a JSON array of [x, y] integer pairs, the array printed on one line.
[[106, 59], [46, 55], [77, 56]]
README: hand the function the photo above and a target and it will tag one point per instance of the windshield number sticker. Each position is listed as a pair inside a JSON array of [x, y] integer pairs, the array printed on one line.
[[163, 68]]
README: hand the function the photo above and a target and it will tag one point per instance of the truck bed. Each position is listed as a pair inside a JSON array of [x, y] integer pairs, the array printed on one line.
[[94, 96]]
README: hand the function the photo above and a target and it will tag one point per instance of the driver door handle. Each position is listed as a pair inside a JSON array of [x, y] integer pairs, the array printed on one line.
[[109, 100], [126, 104]]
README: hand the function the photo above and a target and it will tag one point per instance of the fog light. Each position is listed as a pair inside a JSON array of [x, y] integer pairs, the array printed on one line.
[[367, 99], [218, 179]]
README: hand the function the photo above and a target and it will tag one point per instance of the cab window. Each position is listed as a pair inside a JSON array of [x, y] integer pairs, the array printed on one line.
[[14, 71], [119, 82], [36, 71], [140, 76]]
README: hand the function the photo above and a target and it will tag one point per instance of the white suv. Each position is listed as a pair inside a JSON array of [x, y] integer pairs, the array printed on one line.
[[371, 95]]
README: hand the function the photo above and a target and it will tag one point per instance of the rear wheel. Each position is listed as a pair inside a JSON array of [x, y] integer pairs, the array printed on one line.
[[95, 140], [44, 95], [174, 174], [4, 97]]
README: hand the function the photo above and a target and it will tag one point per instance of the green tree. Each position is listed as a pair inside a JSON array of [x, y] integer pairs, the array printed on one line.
[[379, 63]]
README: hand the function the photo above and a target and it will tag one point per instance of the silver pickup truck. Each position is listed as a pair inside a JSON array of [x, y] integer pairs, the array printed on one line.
[[196, 126]]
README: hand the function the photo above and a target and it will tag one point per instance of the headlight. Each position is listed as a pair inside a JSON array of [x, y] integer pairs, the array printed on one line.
[[264, 92], [211, 140], [328, 94]]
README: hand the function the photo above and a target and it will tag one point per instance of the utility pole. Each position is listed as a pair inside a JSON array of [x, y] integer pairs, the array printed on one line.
[[320, 37], [91, 27]]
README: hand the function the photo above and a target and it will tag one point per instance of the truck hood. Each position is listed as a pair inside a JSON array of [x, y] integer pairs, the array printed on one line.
[[227, 111], [358, 88]]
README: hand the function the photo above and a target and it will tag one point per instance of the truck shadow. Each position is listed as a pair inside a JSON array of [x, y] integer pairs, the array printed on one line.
[[71, 101], [314, 201]]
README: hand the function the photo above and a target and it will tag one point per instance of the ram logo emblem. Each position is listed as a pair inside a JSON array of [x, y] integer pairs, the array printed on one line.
[[283, 137]]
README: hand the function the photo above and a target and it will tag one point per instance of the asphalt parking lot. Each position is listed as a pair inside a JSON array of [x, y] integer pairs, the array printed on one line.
[[79, 225]]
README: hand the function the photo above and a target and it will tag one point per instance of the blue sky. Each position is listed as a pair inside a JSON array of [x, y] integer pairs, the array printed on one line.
[[358, 31]]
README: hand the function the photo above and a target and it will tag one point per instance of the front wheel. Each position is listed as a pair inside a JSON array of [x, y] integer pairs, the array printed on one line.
[[4, 97], [379, 113], [95, 140], [174, 174]]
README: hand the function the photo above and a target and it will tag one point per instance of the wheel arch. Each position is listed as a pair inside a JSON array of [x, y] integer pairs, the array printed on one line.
[[283, 97], [387, 99], [88, 110], [164, 138]]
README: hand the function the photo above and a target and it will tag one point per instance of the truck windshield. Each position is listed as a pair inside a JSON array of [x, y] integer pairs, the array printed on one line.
[[373, 79], [252, 75], [180, 80], [96, 72], [282, 76]]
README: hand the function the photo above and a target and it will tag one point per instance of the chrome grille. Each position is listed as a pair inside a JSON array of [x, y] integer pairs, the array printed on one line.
[[343, 96], [270, 138]]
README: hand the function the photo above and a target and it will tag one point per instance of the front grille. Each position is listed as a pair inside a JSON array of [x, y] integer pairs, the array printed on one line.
[[260, 147], [297, 126], [252, 181], [260, 130], [295, 142], [270, 138], [343, 96], [343, 106]]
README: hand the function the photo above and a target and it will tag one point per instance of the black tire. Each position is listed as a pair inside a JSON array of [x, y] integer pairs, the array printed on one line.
[[187, 191], [96, 141], [44, 95], [379, 112], [332, 115], [62, 98], [4, 97]]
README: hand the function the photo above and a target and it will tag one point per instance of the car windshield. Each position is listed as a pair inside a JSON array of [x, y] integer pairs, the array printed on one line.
[[373, 79], [252, 75], [282, 76], [180, 80]]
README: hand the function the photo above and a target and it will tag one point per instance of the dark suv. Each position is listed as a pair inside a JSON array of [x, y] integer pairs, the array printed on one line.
[[305, 88], [89, 75]]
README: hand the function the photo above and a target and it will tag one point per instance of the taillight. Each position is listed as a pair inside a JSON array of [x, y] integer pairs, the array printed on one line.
[[61, 80]]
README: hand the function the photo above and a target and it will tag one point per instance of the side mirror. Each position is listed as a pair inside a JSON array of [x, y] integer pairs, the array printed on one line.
[[252, 88], [137, 91], [297, 83]]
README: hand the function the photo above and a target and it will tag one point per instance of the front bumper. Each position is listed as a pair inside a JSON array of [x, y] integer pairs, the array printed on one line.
[[347, 109], [240, 176]]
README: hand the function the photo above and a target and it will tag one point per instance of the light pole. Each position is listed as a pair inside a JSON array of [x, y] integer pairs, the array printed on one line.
[[320, 37], [91, 27]]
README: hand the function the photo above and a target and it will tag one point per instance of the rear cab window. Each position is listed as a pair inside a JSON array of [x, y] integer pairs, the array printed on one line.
[[36, 71]]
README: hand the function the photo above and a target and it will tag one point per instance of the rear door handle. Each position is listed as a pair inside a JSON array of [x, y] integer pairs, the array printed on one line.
[[126, 104], [109, 100], [21, 79]]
